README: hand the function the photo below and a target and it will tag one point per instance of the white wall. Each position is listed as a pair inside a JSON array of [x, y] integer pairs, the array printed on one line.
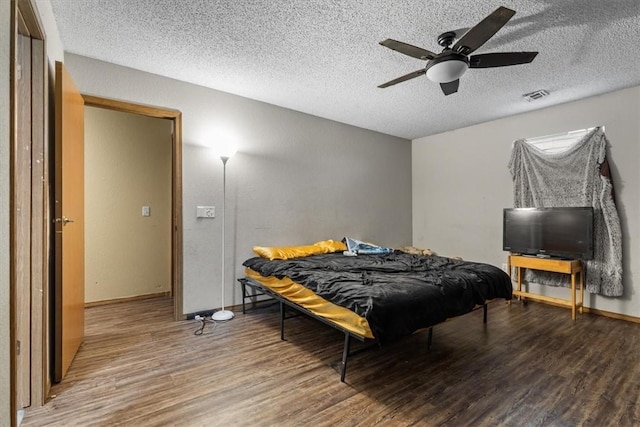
[[127, 166], [296, 178], [461, 183], [5, 303]]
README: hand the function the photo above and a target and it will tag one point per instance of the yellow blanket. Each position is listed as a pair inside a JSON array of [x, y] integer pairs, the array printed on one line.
[[304, 297]]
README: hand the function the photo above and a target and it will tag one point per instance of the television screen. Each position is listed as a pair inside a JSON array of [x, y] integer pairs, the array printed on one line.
[[563, 232]]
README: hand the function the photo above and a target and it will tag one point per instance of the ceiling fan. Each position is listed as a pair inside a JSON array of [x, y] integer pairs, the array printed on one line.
[[449, 65]]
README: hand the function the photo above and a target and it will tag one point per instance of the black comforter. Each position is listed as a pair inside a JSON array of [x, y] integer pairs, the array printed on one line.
[[397, 293]]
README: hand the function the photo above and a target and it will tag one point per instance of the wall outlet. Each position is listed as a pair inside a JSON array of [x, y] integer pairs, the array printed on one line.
[[205, 212], [146, 211]]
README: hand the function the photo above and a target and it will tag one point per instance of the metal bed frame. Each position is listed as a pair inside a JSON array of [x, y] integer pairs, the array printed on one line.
[[259, 290]]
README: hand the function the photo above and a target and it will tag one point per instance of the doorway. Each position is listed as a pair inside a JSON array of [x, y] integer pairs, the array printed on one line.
[[175, 119], [28, 211], [127, 200]]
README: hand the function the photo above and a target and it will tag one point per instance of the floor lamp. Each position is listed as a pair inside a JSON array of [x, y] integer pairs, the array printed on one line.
[[223, 314]]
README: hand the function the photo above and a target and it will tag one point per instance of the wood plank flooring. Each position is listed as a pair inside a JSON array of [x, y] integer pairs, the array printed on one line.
[[529, 366]]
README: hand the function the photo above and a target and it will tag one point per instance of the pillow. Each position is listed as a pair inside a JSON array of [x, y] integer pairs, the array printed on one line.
[[286, 252]]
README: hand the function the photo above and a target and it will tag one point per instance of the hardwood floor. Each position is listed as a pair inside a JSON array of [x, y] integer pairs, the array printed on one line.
[[529, 366]]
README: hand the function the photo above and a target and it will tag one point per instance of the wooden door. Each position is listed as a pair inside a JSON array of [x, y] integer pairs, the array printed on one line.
[[69, 221]]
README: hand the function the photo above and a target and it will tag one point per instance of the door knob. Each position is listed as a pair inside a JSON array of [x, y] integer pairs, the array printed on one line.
[[64, 220]]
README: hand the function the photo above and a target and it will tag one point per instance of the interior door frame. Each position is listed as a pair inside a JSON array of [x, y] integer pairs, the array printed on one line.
[[176, 183]]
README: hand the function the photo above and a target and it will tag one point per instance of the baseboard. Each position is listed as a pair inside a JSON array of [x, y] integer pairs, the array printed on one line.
[[590, 310], [126, 299], [203, 313], [612, 314], [207, 313]]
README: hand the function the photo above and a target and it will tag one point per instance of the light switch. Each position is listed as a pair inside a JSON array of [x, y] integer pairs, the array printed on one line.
[[146, 211], [205, 212]]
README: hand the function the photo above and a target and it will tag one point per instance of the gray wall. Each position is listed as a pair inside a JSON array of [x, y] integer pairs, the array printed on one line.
[[5, 304], [296, 178], [461, 183]]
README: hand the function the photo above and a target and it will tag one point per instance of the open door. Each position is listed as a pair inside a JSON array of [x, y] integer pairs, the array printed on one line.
[[69, 222]]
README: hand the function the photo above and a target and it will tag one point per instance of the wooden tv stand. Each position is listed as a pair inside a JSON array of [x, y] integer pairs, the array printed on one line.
[[572, 267]]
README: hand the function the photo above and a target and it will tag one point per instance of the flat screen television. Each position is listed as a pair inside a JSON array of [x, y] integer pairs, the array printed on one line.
[[562, 232]]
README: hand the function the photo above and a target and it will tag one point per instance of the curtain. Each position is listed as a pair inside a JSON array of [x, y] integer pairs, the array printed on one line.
[[578, 176]]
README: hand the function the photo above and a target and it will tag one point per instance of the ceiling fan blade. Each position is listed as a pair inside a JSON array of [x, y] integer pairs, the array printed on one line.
[[502, 59], [459, 32], [450, 87], [403, 78], [483, 31], [407, 49]]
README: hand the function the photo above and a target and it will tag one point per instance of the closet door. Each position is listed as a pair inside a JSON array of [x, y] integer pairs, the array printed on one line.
[[22, 223]]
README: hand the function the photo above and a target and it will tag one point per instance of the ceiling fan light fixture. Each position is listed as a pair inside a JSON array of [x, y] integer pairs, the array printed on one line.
[[447, 68]]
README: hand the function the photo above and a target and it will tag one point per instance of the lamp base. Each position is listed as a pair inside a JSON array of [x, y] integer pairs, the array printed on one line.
[[222, 315]]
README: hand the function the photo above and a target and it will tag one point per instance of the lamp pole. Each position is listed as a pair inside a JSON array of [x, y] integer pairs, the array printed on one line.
[[223, 314]]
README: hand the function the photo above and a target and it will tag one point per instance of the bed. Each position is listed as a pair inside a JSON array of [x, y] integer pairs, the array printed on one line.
[[373, 297]]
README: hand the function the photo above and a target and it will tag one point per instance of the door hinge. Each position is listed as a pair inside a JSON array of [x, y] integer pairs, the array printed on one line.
[[18, 72], [18, 348]]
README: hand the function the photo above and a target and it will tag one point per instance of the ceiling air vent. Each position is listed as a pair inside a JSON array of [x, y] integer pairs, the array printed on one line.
[[535, 95]]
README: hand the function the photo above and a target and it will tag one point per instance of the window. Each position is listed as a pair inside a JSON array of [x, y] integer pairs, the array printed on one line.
[[558, 142]]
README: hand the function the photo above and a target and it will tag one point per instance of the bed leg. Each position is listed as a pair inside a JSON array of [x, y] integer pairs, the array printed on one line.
[[282, 320], [345, 355], [484, 308], [430, 338], [244, 294]]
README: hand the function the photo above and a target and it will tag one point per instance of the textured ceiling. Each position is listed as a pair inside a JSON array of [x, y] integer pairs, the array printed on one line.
[[322, 57]]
